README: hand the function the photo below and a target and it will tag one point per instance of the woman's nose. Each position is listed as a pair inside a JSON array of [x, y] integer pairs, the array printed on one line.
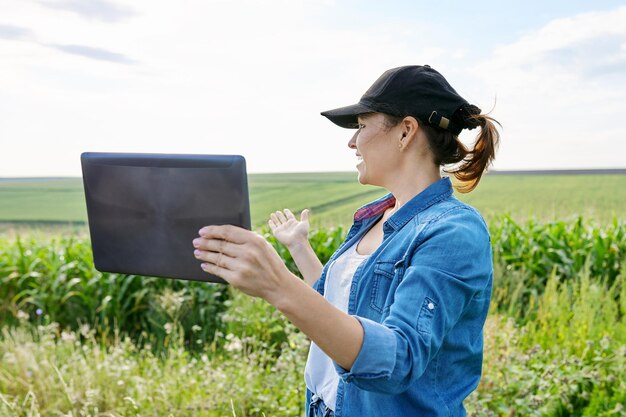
[[352, 141]]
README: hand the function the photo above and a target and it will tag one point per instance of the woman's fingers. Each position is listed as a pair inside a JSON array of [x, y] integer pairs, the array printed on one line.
[[224, 239], [216, 258], [304, 216], [272, 224], [289, 214], [226, 232], [241, 257], [225, 274], [281, 217], [217, 245]]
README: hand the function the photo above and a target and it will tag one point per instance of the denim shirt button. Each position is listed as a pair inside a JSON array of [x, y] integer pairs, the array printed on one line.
[[430, 306]]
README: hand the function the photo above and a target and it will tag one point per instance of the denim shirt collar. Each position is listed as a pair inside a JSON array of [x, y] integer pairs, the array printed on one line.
[[435, 192], [370, 213]]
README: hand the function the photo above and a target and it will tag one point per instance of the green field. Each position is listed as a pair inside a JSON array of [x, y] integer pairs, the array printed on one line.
[[75, 341], [333, 198]]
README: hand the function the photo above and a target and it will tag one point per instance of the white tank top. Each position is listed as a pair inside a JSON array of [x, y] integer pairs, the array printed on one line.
[[319, 374]]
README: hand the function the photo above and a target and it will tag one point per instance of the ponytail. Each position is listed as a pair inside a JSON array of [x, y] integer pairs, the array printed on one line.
[[478, 159], [468, 164]]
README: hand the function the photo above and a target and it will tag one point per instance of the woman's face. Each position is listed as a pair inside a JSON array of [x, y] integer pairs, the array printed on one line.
[[376, 148]]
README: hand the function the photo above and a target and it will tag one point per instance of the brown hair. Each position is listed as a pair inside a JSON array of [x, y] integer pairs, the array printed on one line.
[[449, 150]]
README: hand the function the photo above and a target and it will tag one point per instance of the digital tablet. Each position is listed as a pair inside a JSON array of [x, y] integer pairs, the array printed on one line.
[[144, 210]]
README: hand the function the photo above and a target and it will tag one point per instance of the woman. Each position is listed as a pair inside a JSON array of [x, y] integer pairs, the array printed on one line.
[[396, 315]]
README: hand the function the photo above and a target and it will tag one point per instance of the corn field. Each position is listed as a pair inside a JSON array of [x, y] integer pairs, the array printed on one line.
[[78, 342]]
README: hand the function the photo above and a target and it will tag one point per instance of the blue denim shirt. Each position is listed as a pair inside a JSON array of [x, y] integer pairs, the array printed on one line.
[[422, 298]]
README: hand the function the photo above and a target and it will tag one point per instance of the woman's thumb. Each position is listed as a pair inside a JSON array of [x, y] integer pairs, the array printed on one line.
[[304, 216]]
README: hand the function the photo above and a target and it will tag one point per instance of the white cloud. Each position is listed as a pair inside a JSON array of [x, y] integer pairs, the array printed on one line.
[[209, 77], [251, 77], [561, 91], [92, 9]]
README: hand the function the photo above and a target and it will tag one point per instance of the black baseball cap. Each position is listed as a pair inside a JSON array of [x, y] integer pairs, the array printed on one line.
[[414, 90]]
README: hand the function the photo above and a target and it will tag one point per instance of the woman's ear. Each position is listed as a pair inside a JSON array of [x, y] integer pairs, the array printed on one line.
[[409, 126]]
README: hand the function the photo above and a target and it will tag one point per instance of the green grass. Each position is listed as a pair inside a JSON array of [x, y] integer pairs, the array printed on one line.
[[551, 197], [53, 200], [57, 277], [569, 362], [555, 340], [46, 371], [77, 342], [333, 198]]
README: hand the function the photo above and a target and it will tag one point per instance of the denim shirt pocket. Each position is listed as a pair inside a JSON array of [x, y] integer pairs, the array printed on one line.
[[425, 318], [384, 272]]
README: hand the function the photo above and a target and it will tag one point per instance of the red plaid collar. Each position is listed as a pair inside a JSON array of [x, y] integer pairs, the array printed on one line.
[[374, 209]]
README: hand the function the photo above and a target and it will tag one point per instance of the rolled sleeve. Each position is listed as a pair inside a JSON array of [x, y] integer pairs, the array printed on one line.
[[370, 362]]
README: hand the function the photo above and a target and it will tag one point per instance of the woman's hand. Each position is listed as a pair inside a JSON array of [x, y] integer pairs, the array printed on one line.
[[248, 262], [244, 259], [287, 229]]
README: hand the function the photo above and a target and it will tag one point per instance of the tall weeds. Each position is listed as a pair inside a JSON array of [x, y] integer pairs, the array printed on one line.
[[80, 342], [570, 360]]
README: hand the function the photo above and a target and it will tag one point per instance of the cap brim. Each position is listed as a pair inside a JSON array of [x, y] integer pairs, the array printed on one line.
[[346, 117]]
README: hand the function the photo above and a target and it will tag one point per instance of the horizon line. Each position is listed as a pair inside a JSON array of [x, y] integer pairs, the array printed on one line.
[[566, 171]]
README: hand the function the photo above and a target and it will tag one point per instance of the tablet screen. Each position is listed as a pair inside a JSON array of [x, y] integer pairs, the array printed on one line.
[[144, 210]]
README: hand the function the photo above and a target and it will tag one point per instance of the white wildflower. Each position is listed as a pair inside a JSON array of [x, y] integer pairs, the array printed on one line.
[[68, 336], [84, 330], [234, 344]]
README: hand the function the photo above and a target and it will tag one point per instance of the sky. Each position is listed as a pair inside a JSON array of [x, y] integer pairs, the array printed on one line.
[[251, 77]]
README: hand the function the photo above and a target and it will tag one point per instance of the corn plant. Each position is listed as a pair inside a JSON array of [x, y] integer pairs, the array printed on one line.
[[525, 256], [56, 282]]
